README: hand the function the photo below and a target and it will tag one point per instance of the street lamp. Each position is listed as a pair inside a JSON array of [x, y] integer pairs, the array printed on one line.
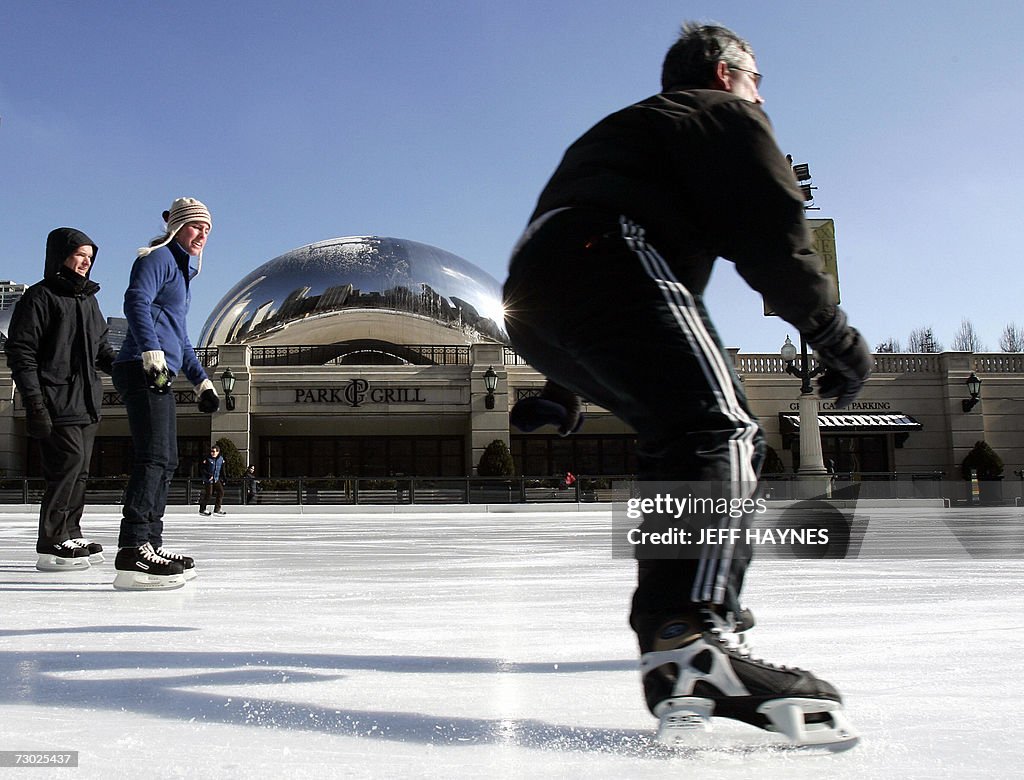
[[974, 388], [812, 462], [490, 385], [227, 381]]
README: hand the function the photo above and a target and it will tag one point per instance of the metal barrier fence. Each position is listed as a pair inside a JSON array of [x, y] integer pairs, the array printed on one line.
[[352, 490], [312, 491]]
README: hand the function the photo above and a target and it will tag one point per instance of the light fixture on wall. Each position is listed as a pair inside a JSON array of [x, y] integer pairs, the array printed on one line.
[[974, 388], [227, 380], [490, 385]]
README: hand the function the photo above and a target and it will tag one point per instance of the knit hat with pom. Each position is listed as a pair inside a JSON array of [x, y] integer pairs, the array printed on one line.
[[182, 212]]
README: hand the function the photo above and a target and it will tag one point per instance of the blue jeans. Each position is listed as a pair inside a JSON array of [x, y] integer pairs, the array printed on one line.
[[153, 423]]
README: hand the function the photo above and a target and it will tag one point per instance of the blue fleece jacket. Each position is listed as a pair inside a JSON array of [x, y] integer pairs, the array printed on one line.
[[156, 306]]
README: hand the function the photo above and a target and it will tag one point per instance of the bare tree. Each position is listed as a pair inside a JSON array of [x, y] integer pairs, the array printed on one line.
[[890, 345], [1012, 339], [923, 340], [966, 338]]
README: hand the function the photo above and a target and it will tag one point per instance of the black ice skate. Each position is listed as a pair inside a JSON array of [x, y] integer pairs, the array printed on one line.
[[187, 563], [64, 556], [140, 568], [94, 549], [692, 673]]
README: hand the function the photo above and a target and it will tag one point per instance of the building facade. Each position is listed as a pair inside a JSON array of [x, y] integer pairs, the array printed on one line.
[[366, 357]]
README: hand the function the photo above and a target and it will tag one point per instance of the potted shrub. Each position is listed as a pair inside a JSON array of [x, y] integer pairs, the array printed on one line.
[[983, 460], [496, 461]]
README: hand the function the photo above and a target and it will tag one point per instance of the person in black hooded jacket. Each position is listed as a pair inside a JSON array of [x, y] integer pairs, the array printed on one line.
[[57, 341]]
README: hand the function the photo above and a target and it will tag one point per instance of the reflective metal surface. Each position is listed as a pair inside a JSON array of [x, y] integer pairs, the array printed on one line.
[[5, 320], [359, 272]]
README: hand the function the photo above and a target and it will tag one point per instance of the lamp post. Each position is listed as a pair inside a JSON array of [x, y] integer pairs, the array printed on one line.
[[227, 381], [812, 463], [490, 385]]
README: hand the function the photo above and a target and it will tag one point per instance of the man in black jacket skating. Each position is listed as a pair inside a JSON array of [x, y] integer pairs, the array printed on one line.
[[57, 341], [604, 297]]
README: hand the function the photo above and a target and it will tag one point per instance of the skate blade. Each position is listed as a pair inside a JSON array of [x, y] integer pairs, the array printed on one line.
[[136, 580], [56, 563], [190, 574], [788, 717], [685, 722], [96, 558]]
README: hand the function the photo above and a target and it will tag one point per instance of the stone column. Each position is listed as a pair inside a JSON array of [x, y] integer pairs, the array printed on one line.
[[486, 425], [234, 425]]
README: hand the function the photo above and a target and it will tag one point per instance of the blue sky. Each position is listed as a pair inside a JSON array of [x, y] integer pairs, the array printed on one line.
[[440, 121]]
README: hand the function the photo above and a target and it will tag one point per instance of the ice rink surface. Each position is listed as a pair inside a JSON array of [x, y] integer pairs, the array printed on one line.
[[456, 644]]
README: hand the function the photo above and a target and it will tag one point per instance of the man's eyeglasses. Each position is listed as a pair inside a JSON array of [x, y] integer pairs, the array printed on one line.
[[753, 74]]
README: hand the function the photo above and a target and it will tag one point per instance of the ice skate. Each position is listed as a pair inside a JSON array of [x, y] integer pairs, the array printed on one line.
[[94, 549], [188, 564], [732, 629], [694, 673], [140, 568], [64, 556]]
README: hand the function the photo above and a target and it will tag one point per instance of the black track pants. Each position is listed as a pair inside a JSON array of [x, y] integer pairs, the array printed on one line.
[[591, 305]]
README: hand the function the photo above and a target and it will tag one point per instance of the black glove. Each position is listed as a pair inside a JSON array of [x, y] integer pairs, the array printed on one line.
[[105, 362], [846, 357], [37, 417], [208, 401], [554, 406]]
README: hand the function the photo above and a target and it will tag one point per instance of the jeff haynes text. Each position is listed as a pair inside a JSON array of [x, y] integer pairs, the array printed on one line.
[[701, 536]]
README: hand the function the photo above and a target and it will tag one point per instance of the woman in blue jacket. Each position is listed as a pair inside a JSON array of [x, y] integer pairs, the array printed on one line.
[[155, 350]]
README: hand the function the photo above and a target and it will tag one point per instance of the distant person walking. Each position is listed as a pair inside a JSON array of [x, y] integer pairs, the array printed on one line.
[[57, 341], [252, 485], [212, 472]]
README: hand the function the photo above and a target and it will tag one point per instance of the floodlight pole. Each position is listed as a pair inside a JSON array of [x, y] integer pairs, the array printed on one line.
[[812, 461]]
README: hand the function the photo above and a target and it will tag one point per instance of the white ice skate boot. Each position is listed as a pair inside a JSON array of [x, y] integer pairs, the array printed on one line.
[[61, 557], [188, 564], [692, 674], [94, 549], [140, 568]]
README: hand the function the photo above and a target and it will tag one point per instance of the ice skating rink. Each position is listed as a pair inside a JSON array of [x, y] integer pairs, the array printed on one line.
[[455, 644]]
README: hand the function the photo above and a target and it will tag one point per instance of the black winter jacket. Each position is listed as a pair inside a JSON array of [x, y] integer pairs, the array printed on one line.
[[700, 170], [58, 337]]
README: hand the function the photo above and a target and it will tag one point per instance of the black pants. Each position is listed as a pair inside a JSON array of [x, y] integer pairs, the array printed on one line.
[[591, 305], [66, 454], [153, 423], [214, 491]]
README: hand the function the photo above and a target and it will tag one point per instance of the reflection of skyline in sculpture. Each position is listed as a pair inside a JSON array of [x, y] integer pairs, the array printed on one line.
[[359, 273]]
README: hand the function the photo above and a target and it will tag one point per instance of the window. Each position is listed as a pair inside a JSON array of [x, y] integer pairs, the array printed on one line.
[[362, 456], [544, 456]]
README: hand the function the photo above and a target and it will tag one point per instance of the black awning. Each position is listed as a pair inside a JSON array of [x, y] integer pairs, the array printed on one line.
[[837, 422]]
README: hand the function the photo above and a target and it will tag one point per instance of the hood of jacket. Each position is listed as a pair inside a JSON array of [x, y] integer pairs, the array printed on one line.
[[59, 246]]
